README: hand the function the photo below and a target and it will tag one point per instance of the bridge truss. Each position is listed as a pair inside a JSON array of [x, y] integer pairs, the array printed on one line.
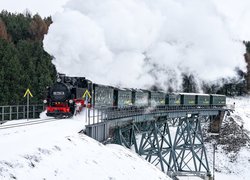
[[171, 139]]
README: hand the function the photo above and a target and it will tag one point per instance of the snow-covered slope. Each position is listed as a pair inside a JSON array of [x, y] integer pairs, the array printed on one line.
[[55, 150], [232, 156]]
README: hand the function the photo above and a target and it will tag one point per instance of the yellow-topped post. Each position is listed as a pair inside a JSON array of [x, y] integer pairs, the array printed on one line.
[[87, 96], [28, 94]]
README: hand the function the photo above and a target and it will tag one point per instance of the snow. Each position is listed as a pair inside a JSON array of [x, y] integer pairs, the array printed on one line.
[[55, 150], [233, 165], [189, 178], [242, 106]]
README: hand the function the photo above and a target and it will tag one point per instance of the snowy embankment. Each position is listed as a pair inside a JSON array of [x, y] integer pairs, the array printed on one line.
[[55, 150], [232, 155]]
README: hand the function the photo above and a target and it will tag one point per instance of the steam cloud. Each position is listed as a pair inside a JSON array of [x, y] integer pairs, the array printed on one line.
[[139, 43]]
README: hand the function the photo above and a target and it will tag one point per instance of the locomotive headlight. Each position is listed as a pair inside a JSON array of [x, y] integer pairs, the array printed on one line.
[[70, 101], [44, 101]]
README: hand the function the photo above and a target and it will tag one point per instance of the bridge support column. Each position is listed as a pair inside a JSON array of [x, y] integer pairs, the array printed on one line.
[[156, 145], [185, 155], [216, 121], [126, 136], [189, 147]]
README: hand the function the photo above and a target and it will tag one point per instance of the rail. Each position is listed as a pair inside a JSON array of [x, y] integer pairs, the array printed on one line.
[[15, 112], [27, 123]]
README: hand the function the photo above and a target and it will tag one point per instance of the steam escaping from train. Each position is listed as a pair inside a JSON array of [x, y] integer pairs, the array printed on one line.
[[140, 43]]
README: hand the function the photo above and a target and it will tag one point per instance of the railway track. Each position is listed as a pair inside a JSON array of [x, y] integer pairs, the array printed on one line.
[[28, 123]]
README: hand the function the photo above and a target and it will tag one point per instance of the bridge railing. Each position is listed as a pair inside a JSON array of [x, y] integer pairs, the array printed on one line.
[[100, 114], [15, 112]]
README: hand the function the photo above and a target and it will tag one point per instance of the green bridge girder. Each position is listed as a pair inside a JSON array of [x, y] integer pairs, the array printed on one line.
[[169, 138], [180, 152]]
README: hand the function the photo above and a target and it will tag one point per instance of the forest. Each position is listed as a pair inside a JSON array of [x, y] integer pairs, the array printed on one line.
[[23, 61]]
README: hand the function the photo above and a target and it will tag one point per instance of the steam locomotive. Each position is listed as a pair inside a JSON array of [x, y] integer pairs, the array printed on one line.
[[66, 94], [70, 94]]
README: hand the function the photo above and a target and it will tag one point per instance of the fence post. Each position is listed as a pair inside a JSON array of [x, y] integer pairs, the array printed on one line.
[[24, 111], [89, 114], [3, 113], [98, 115], [34, 116], [17, 112], [10, 113]]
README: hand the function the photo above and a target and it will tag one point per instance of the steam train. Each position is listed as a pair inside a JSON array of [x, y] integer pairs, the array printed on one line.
[[70, 94]]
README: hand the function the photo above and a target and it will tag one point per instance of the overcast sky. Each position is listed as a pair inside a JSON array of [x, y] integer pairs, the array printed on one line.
[[44, 8]]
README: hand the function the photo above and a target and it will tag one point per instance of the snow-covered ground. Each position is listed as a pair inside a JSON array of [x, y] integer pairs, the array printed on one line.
[[235, 163], [55, 150]]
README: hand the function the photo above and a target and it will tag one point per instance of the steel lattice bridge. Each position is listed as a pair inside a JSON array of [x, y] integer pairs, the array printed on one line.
[[169, 137]]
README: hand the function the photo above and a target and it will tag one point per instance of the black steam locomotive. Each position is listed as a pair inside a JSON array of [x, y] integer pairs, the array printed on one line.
[[66, 94], [70, 94]]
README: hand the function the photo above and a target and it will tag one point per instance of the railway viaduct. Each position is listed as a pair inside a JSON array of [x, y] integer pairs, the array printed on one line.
[[168, 137]]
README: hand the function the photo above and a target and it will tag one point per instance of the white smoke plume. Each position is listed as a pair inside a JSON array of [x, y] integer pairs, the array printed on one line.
[[139, 43]]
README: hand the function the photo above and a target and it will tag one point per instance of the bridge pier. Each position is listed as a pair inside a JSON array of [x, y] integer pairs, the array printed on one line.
[[174, 152], [156, 145], [216, 121], [189, 147]]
